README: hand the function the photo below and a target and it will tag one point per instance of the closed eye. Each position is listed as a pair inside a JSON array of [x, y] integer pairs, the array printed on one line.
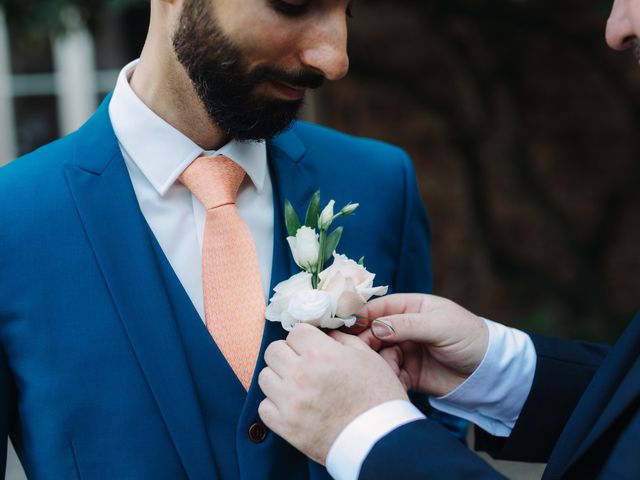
[[291, 8]]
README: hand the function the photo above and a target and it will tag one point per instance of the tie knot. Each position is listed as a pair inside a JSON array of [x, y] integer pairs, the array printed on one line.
[[213, 180]]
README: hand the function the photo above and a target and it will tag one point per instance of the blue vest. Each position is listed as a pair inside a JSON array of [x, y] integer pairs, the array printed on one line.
[[222, 399]]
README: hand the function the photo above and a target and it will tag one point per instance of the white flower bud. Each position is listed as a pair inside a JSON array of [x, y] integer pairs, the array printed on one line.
[[326, 217], [349, 209], [305, 248]]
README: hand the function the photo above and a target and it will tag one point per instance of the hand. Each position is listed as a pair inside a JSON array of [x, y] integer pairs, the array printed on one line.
[[317, 384], [431, 343]]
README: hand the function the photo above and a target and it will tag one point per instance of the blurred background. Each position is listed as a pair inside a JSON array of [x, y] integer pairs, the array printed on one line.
[[522, 125]]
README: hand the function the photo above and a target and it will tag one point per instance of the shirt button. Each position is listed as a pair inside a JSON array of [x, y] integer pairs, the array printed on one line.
[[257, 432]]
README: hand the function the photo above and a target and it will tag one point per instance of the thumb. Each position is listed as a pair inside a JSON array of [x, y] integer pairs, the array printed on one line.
[[405, 327], [349, 340]]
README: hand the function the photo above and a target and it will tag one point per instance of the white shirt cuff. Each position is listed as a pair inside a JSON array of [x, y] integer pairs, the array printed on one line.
[[493, 396], [350, 449]]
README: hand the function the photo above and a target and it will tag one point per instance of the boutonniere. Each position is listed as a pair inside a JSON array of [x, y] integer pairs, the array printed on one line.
[[321, 295]]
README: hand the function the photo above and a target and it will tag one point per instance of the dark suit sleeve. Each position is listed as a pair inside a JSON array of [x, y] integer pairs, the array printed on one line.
[[423, 449], [563, 372]]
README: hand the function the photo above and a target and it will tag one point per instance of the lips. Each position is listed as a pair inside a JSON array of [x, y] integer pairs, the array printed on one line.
[[288, 91]]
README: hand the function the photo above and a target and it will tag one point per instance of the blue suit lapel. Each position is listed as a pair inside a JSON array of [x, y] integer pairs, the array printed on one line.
[[117, 231], [628, 391], [293, 182], [613, 389], [290, 181]]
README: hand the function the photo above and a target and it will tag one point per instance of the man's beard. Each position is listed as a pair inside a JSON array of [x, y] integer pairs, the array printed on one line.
[[224, 84], [636, 49]]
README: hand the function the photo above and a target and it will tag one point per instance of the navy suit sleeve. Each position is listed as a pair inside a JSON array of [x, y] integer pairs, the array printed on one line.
[[563, 372], [423, 449]]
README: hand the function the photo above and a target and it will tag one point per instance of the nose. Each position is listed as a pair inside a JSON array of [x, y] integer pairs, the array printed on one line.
[[327, 49], [619, 34]]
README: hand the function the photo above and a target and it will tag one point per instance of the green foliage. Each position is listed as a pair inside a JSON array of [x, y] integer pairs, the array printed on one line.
[[38, 17], [291, 220], [313, 211], [332, 243]]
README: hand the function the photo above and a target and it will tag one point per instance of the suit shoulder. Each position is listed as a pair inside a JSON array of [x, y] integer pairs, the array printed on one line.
[[51, 155], [329, 141], [39, 170]]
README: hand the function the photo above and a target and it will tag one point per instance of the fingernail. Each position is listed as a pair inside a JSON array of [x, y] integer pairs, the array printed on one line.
[[382, 329]]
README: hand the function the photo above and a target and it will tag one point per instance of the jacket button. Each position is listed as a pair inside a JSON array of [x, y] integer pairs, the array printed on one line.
[[257, 432]]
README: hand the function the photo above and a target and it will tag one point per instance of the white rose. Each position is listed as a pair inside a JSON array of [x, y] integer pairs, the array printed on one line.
[[326, 217], [295, 301], [284, 291], [350, 286], [305, 248], [309, 306]]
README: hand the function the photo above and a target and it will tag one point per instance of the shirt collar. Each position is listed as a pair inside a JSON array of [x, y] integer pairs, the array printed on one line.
[[160, 151]]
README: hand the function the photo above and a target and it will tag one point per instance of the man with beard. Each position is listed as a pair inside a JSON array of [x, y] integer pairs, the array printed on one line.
[[572, 405], [138, 252]]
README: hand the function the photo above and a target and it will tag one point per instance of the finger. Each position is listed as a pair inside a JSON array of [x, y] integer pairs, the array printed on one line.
[[280, 357], [305, 337], [349, 340], [391, 305], [360, 326], [394, 357], [382, 329], [417, 327], [270, 415], [271, 385], [371, 340], [405, 379]]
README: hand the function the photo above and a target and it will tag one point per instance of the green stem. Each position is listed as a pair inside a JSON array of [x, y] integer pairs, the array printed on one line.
[[316, 279]]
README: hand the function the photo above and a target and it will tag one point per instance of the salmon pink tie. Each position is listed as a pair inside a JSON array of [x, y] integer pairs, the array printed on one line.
[[234, 303]]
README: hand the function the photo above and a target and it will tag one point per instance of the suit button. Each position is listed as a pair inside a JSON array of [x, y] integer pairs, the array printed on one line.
[[257, 432]]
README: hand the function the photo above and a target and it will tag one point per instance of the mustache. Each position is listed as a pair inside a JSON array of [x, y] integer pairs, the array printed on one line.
[[302, 78]]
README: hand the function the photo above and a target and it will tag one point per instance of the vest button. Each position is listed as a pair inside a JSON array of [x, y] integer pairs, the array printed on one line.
[[257, 432]]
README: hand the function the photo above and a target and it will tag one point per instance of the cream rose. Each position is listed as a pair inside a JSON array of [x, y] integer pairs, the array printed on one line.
[[350, 286]]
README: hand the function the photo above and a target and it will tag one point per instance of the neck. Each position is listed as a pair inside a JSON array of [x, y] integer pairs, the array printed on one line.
[[164, 86]]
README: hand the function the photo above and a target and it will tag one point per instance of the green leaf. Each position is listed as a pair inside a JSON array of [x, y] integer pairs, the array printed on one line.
[[332, 243], [313, 211], [361, 261], [291, 220]]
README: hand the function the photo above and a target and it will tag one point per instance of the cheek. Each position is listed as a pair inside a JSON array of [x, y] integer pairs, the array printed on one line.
[[270, 47], [264, 36]]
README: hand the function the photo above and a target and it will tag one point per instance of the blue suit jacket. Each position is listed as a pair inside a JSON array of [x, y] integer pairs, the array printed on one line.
[[94, 380], [582, 416]]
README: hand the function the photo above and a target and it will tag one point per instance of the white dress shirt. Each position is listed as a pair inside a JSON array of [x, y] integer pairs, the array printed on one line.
[[155, 154], [492, 398]]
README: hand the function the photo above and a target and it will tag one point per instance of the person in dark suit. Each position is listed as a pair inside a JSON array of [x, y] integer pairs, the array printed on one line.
[[538, 399], [573, 405], [112, 360]]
